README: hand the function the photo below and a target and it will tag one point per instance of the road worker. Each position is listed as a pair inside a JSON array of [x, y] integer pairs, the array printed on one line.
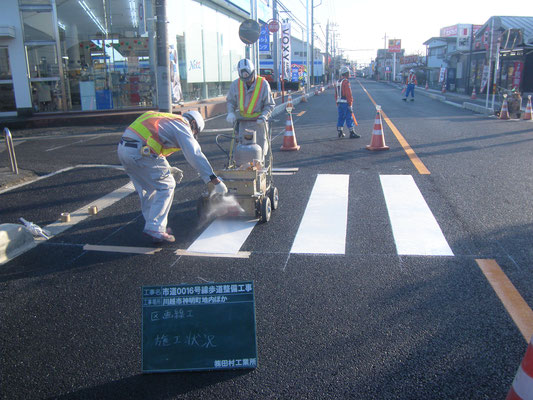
[[344, 100], [143, 149], [250, 103], [410, 82]]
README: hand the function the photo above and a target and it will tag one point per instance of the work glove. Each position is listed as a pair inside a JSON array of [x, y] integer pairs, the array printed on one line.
[[261, 120], [350, 108], [231, 118], [178, 174], [220, 188]]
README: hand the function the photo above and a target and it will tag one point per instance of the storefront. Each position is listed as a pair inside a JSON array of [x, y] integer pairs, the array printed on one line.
[[85, 55]]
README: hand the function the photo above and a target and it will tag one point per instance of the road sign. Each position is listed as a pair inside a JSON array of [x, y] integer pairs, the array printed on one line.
[[208, 326], [273, 25], [249, 31]]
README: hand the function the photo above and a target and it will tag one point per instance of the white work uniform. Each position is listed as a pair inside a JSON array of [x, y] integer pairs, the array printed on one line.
[[265, 105], [151, 174]]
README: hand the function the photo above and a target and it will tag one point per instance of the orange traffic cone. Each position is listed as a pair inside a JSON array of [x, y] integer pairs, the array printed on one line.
[[289, 106], [473, 97], [289, 140], [528, 114], [304, 96], [443, 88], [522, 386], [427, 86], [378, 140], [504, 112]]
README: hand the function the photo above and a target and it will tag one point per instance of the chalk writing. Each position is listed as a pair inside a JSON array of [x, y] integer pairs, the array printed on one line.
[[201, 340]]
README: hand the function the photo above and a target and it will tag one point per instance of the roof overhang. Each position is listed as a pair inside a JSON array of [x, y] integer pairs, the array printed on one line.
[[7, 32]]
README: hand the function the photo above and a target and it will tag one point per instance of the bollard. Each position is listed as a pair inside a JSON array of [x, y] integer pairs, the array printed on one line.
[[11, 151]]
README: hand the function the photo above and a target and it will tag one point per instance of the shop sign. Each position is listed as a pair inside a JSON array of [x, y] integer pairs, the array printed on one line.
[[395, 45], [286, 49]]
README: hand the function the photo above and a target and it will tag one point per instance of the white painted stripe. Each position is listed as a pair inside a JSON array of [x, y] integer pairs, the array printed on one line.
[[523, 385], [323, 226], [83, 213], [285, 169], [223, 236], [240, 254], [415, 229], [122, 249]]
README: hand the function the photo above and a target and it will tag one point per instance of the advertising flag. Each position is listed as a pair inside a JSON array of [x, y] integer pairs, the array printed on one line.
[[286, 50]]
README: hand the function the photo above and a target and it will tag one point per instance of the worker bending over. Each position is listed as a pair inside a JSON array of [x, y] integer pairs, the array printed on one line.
[[250, 102], [344, 100], [142, 151]]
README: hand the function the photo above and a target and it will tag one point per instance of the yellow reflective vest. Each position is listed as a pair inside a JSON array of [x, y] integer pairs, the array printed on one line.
[[247, 110], [147, 127]]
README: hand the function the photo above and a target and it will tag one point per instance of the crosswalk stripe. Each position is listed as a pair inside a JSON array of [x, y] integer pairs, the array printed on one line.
[[223, 236], [415, 229], [323, 226]]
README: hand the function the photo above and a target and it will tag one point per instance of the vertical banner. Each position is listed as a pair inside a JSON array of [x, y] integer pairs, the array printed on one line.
[[264, 40], [517, 74], [286, 50], [484, 78]]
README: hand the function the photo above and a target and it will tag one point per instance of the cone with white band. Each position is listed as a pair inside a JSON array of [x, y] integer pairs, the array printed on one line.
[[522, 387], [504, 112], [304, 96], [528, 114], [473, 97], [289, 139], [378, 139], [289, 106]]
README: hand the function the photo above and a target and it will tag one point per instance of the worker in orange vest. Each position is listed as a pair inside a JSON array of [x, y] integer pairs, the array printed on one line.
[[142, 151], [410, 82], [344, 100]]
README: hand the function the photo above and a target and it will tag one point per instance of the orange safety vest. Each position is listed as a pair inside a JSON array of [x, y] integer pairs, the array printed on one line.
[[247, 110], [147, 127]]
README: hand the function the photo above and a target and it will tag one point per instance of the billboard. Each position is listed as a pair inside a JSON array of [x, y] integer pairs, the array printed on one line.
[[395, 45]]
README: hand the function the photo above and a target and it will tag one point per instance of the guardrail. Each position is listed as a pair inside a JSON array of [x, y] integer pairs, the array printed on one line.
[[11, 151]]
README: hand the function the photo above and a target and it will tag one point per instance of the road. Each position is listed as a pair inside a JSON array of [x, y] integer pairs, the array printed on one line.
[[373, 310]]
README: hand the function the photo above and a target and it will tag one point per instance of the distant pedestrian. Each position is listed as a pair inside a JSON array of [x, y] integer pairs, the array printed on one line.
[[410, 82], [142, 151], [344, 100]]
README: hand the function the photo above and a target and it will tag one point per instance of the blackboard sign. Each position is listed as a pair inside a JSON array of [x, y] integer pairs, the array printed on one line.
[[207, 326]]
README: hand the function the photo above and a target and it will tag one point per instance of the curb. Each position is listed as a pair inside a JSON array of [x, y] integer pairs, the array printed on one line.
[[477, 108], [15, 239]]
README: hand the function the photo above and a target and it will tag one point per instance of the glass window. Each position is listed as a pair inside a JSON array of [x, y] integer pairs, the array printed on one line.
[[42, 61], [38, 26], [5, 69], [34, 2], [46, 96]]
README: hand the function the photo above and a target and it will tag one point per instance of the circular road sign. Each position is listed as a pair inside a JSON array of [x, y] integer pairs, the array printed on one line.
[[273, 25], [249, 31]]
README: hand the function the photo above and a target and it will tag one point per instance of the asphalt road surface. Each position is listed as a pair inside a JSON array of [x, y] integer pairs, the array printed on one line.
[[368, 279]]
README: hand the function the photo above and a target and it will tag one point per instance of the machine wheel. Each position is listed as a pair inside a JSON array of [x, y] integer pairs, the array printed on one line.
[[273, 194], [202, 206], [266, 209]]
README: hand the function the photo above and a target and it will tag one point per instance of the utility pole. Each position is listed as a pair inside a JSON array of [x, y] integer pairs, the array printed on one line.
[[164, 100], [328, 80], [275, 59], [312, 75], [308, 84]]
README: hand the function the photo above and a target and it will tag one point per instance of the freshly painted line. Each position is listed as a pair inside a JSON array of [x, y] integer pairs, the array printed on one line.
[[323, 226], [513, 302], [223, 236], [415, 229], [122, 249], [217, 130], [419, 165], [300, 113], [82, 213], [283, 173], [240, 254]]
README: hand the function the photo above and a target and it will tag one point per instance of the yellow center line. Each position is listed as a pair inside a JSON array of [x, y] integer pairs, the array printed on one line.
[[513, 302], [300, 113], [419, 165]]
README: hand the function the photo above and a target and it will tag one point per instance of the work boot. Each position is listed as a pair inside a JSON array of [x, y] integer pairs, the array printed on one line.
[[404, 99], [354, 135], [412, 99], [341, 133], [160, 237]]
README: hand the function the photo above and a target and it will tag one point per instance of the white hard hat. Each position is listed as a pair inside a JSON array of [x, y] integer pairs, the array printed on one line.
[[197, 117], [411, 70], [344, 70], [246, 69]]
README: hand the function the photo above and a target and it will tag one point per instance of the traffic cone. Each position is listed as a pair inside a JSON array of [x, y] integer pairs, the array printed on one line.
[[473, 97], [427, 86], [304, 96], [289, 139], [504, 112], [443, 88], [522, 387], [378, 140], [528, 113], [289, 106]]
